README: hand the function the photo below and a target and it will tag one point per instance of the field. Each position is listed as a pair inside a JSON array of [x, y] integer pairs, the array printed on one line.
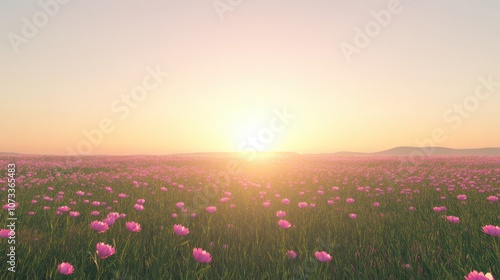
[[377, 218]]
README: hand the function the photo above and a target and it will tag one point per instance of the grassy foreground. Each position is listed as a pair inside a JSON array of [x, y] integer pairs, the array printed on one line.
[[401, 238]]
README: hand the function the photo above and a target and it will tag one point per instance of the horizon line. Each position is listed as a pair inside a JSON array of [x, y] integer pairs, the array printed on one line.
[[257, 151]]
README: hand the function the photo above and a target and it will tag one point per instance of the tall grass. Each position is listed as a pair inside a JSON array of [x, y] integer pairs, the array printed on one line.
[[245, 242]]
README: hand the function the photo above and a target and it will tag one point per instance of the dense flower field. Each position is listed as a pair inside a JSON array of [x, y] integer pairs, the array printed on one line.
[[303, 217]]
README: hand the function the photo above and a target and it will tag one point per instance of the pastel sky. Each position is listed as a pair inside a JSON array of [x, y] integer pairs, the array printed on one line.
[[70, 69]]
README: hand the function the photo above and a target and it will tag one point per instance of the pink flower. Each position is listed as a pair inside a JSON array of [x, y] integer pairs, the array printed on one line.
[[109, 220], [376, 204], [474, 275], [180, 230], [122, 195], [492, 230], [74, 214], [179, 204], [31, 213], [12, 205], [5, 233], [94, 213], [96, 203], [439, 209], [280, 214], [133, 226], [104, 250], [224, 199], [353, 216], [284, 224], [80, 193], [139, 207], [98, 226], [285, 201], [350, 200], [211, 209], [331, 201], [266, 203], [291, 254], [63, 209], [201, 255], [65, 268], [114, 215], [453, 219], [461, 197], [492, 198], [302, 204], [141, 201], [323, 256], [174, 215]]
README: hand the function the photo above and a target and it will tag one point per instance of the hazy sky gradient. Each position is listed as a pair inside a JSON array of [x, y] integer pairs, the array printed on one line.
[[227, 77]]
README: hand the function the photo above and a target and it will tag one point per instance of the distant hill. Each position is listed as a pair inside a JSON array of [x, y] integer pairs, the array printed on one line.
[[431, 151]]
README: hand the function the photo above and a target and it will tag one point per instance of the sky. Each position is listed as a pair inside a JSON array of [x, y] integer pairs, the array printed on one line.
[[161, 77]]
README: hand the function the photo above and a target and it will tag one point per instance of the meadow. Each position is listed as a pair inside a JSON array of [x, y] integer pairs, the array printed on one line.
[[290, 217]]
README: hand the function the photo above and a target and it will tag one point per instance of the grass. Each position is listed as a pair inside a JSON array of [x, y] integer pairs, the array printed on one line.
[[245, 242]]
